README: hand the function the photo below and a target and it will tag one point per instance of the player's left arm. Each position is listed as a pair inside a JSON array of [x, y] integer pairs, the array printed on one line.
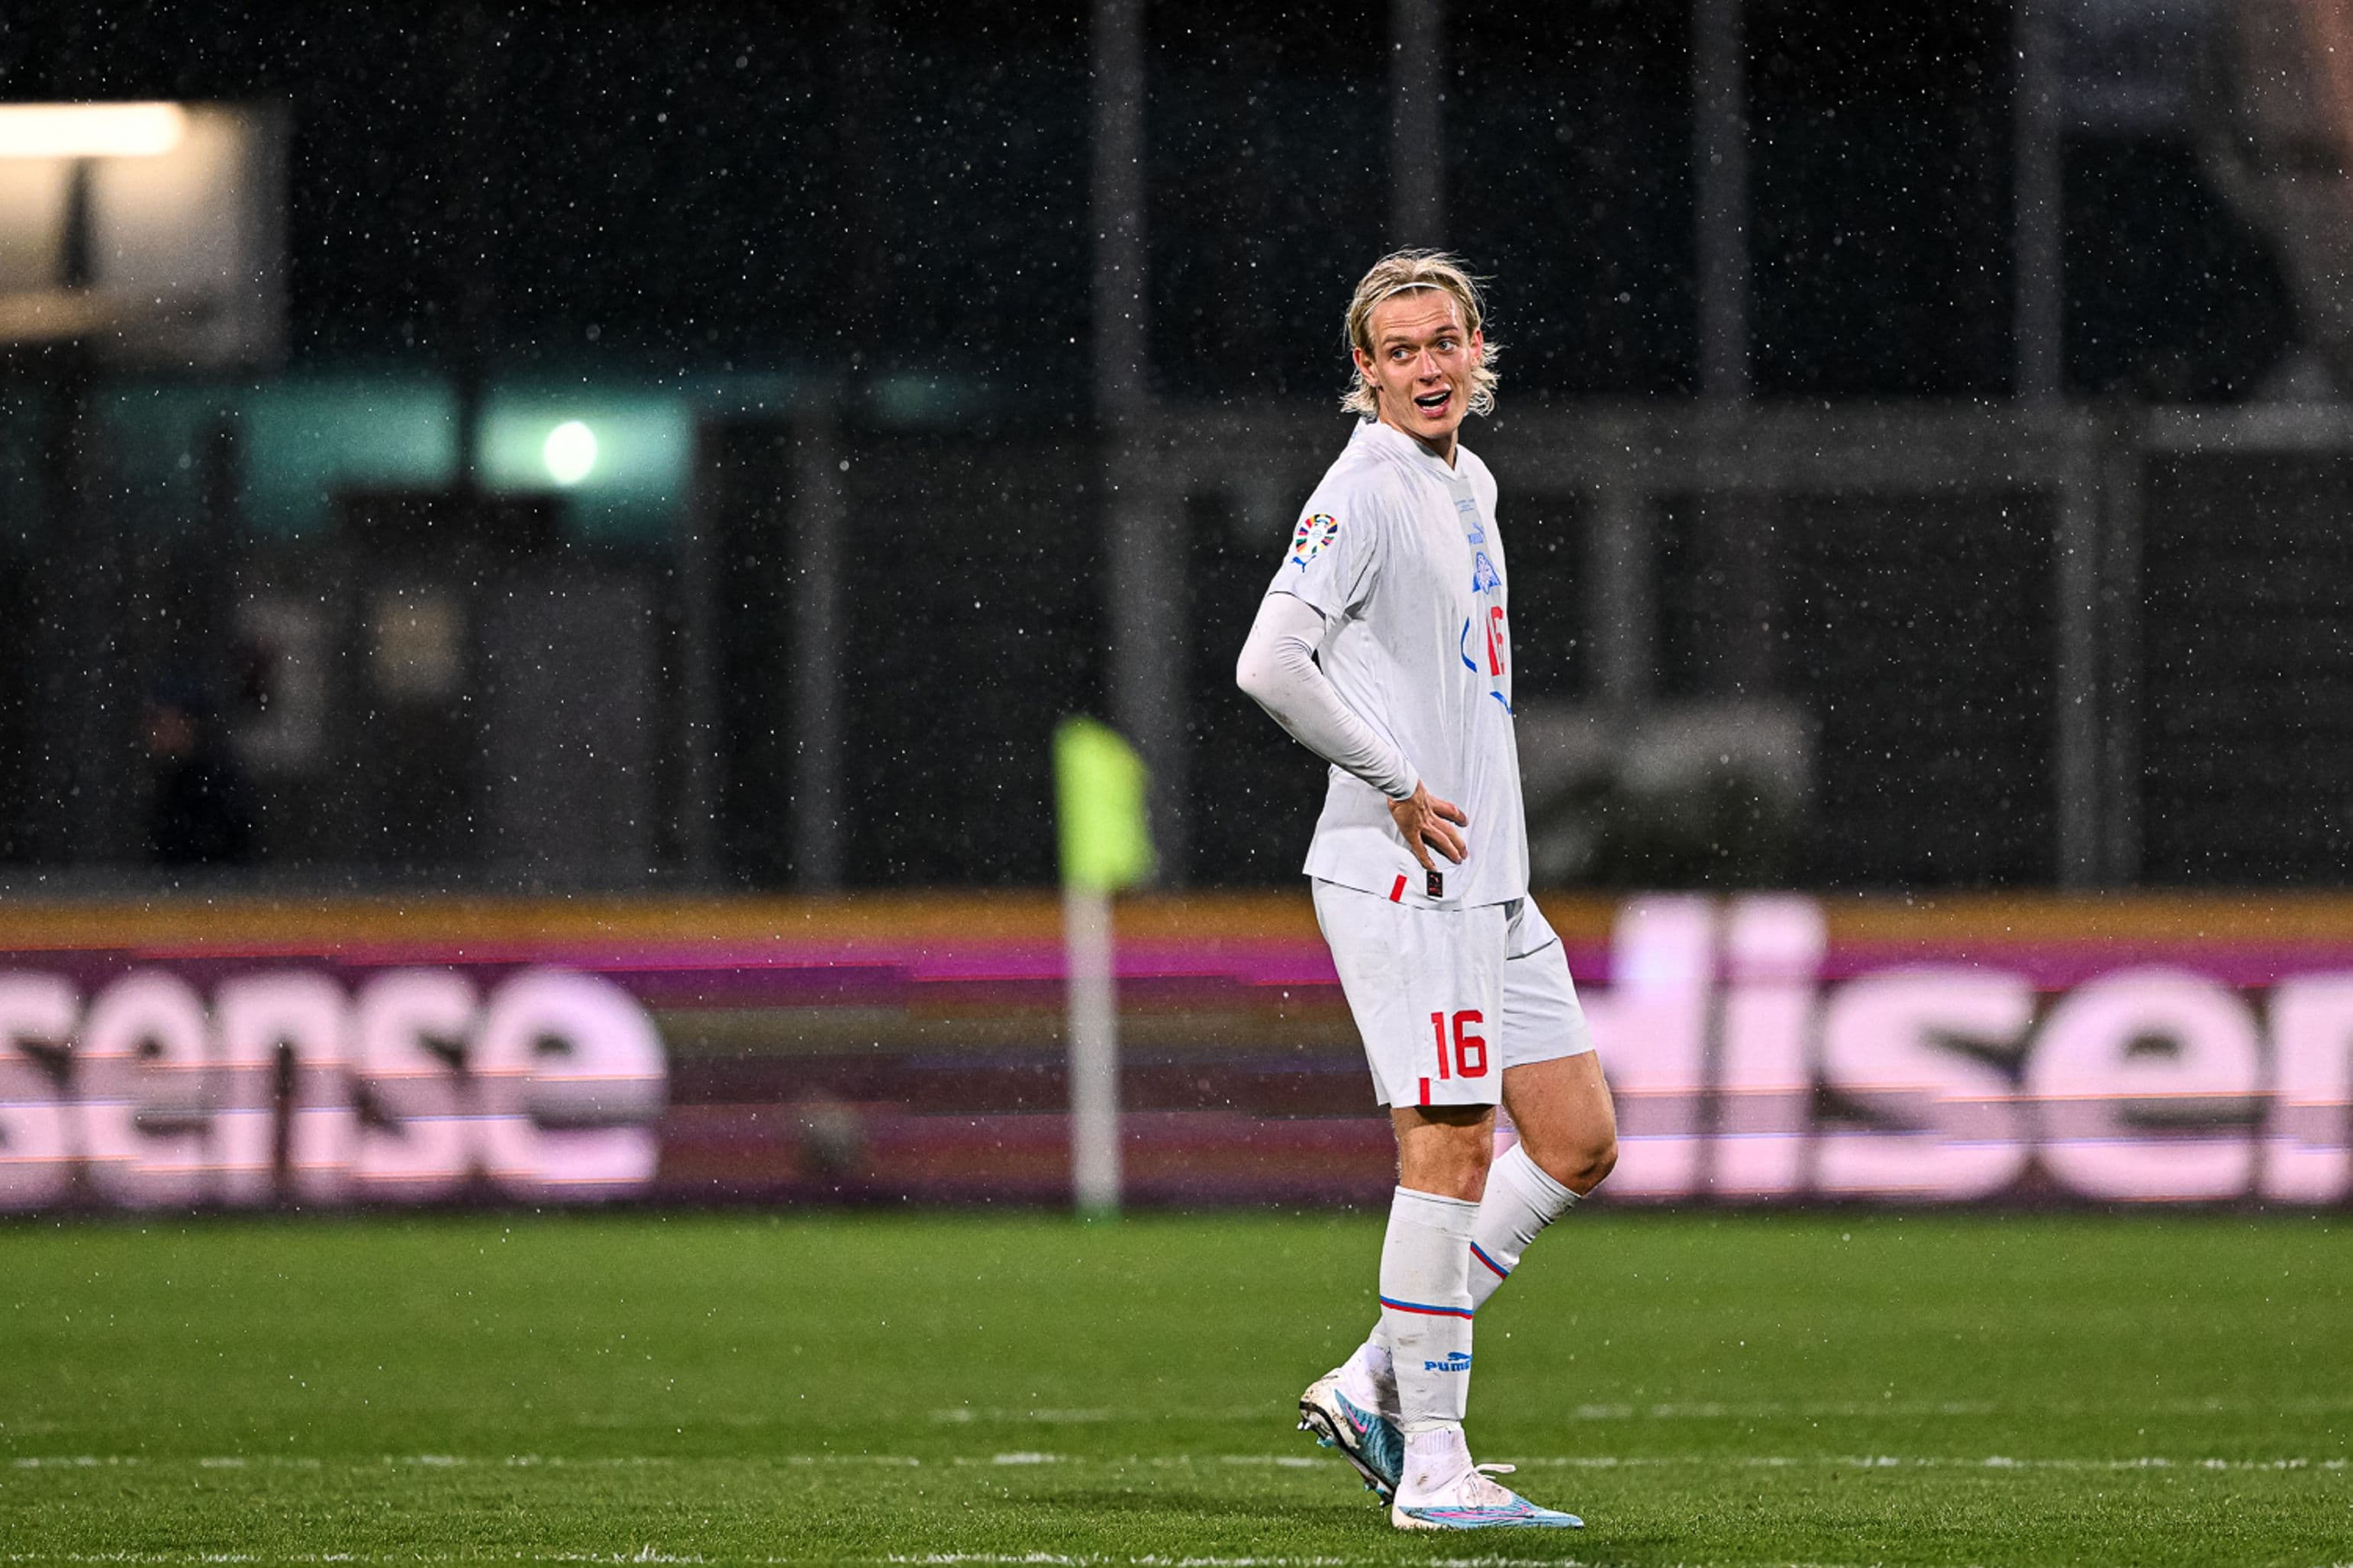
[[1277, 671]]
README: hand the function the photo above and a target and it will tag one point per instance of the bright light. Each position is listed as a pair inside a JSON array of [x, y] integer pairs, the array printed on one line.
[[90, 129], [570, 452]]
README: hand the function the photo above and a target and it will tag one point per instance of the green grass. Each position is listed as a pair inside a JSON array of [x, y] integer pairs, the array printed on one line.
[[747, 1388]]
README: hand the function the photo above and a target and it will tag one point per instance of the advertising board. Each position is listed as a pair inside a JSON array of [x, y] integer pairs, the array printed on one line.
[[1764, 1048]]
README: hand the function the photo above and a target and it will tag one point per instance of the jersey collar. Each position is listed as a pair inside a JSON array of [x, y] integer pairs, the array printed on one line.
[[1381, 437]]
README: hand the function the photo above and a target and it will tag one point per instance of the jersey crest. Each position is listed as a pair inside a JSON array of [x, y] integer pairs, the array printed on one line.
[[1482, 574], [1312, 537]]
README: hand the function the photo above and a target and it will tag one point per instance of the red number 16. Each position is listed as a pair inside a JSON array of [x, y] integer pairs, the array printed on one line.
[[1470, 1049]]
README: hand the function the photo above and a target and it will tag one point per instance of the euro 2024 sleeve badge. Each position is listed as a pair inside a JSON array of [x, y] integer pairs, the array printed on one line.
[[1312, 537]]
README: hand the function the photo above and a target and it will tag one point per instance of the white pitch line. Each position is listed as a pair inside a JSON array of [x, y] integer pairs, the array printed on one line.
[[1693, 1410], [1776, 1410], [1030, 1457]]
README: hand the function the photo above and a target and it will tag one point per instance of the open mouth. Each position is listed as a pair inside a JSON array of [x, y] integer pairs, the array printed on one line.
[[1434, 403]]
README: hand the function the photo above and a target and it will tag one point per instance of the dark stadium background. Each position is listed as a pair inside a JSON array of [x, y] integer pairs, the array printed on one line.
[[883, 209]]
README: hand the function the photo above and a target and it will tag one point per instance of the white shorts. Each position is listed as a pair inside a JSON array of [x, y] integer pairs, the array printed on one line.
[[1447, 999]]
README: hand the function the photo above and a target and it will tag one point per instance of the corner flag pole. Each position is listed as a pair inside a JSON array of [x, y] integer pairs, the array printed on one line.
[[1099, 784]]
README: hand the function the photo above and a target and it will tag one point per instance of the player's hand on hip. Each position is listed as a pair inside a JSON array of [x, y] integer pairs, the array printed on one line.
[[1429, 823]]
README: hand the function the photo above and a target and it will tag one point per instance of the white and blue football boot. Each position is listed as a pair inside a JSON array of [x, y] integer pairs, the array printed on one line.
[[1366, 1439], [1471, 1501]]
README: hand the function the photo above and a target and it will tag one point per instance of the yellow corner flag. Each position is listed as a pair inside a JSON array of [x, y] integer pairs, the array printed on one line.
[[1099, 784]]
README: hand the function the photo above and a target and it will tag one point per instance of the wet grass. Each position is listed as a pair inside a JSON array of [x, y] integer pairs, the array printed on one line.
[[752, 1388]]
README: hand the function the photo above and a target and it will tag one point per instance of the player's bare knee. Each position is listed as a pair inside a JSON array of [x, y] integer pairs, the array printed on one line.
[[1601, 1161], [1580, 1164]]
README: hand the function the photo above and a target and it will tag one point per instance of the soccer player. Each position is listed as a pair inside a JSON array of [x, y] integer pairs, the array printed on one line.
[[1383, 647]]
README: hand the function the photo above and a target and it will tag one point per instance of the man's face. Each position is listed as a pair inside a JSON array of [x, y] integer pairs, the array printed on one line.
[[1422, 364]]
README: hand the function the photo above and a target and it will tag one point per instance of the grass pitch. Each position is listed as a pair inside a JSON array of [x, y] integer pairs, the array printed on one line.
[[734, 1388]]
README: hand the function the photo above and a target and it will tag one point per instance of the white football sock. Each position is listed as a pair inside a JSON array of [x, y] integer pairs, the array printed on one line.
[[1426, 1307], [1433, 1460], [1369, 1377], [1521, 1201]]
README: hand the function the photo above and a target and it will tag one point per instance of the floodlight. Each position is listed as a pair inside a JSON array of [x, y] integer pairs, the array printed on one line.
[[90, 129], [570, 452]]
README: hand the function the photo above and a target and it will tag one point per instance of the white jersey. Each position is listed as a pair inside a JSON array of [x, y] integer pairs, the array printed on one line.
[[1400, 554]]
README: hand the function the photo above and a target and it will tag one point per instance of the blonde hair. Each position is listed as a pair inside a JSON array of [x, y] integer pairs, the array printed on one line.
[[1398, 273]]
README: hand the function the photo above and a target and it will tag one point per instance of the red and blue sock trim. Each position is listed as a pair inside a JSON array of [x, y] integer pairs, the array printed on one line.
[[1501, 1272], [1427, 1311]]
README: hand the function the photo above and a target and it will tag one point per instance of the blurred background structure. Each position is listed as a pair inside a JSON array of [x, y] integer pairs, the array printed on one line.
[[478, 482], [712, 449]]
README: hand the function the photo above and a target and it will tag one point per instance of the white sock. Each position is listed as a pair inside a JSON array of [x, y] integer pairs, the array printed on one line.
[[1426, 1307], [1369, 1378], [1432, 1461], [1521, 1201]]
